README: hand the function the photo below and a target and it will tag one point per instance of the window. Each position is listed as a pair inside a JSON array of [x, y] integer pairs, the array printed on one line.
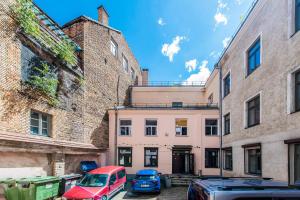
[[297, 91], [297, 15], [211, 99], [211, 158], [121, 174], [181, 127], [226, 83], [294, 160], [252, 159], [151, 127], [113, 47], [253, 55], [125, 127], [125, 156], [227, 124], [151, 157], [113, 179], [132, 74], [297, 163], [40, 123], [177, 104], [211, 127], [253, 111], [125, 63], [227, 158]]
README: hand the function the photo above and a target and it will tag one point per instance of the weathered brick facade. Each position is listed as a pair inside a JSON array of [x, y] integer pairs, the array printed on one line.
[[79, 124]]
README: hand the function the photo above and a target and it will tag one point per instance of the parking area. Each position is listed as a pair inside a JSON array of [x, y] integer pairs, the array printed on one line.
[[174, 193]]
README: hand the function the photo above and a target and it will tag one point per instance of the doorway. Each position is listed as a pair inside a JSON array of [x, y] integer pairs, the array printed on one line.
[[182, 161]]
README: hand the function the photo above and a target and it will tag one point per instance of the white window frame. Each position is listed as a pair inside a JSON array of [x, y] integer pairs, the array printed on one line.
[[291, 90], [246, 153], [246, 109], [125, 63], [113, 47], [125, 126], [217, 126], [259, 36], [151, 127], [132, 73], [40, 123], [292, 18], [181, 127]]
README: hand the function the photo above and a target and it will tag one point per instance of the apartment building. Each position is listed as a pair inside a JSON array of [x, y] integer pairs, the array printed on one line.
[[260, 94], [49, 130], [169, 127]]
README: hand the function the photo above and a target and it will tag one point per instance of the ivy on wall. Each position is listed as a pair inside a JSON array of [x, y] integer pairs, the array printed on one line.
[[26, 18]]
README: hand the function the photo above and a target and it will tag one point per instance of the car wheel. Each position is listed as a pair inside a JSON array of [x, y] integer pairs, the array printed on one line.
[[104, 198]]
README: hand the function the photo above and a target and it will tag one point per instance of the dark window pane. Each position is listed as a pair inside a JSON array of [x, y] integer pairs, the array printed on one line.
[[125, 156], [297, 163], [34, 130], [297, 91], [297, 15], [125, 122], [151, 157], [228, 159], [253, 110], [226, 85], [211, 158], [151, 122], [254, 57], [227, 124], [177, 104], [184, 130], [254, 161]]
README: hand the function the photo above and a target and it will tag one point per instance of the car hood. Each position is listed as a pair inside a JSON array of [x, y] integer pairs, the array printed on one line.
[[79, 192]]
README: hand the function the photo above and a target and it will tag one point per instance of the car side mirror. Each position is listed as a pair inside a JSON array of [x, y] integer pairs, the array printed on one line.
[[159, 174]]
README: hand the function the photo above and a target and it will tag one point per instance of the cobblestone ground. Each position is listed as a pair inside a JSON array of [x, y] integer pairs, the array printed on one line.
[[174, 193]]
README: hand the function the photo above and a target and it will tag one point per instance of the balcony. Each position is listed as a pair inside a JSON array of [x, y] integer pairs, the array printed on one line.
[[173, 84], [198, 106]]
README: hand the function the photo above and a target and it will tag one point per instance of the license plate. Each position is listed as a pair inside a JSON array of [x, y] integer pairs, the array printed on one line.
[[144, 185], [49, 186]]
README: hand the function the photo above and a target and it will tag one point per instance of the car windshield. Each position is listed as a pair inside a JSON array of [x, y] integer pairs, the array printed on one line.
[[144, 177], [93, 180]]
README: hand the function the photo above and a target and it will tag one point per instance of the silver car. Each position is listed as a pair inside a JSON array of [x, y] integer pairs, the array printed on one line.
[[241, 189]]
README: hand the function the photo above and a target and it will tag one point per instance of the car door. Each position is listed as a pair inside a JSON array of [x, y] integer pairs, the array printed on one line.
[[113, 184]]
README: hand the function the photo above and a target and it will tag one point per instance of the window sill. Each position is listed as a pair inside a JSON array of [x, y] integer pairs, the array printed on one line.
[[226, 134], [248, 74], [212, 135], [151, 166], [228, 170], [252, 126], [151, 135], [181, 135], [212, 167], [124, 135], [253, 174], [226, 95], [296, 111]]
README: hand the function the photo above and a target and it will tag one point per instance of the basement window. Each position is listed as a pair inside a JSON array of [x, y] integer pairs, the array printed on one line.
[[40, 123]]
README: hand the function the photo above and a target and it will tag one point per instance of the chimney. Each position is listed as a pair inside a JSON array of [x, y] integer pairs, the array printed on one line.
[[103, 16], [145, 74]]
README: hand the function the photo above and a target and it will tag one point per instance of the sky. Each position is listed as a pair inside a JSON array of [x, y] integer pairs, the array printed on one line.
[[177, 40]]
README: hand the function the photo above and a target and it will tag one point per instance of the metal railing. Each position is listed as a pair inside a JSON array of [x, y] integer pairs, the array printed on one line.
[[173, 84], [184, 106]]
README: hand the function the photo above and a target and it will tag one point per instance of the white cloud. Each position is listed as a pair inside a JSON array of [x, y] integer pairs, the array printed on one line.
[[201, 76], [239, 2], [161, 22], [226, 41], [221, 18], [221, 5], [191, 65], [171, 49], [214, 54]]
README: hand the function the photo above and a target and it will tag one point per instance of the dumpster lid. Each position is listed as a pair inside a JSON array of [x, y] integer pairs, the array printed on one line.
[[39, 179], [70, 176]]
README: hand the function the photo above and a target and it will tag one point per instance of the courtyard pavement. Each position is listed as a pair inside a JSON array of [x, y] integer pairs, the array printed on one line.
[[174, 193]]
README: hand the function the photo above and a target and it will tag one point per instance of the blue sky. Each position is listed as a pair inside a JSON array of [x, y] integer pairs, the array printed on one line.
[[174, 39]]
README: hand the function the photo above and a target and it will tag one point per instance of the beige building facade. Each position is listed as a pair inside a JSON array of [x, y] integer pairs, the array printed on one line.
[[173, 129], [260, 94]]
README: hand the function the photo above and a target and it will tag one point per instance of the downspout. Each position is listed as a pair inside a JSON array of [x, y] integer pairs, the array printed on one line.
[[219, 67], [116, 122]]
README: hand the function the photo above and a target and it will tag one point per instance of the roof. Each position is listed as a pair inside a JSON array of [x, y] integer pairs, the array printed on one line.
[[86, 18], [145, 172], [106, 170], [221, 184]]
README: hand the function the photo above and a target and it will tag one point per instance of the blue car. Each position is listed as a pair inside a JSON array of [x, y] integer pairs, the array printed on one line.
[[147, 180]]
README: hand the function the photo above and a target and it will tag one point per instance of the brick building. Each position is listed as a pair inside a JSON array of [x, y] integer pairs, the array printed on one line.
[[260, 72], [37, 137]]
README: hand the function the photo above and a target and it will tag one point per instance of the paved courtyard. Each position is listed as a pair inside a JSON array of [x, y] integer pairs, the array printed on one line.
[[174, 193]]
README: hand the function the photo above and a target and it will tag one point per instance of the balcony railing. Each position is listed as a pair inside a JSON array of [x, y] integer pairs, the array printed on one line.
[[169, 106], [173, 84]]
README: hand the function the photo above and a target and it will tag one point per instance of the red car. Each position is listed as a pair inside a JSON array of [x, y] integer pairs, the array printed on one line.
[[99, 184]]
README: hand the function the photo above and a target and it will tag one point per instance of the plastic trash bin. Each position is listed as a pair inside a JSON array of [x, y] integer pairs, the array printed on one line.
[[38, 188], [8, 188], [87, 166], [67, 182]]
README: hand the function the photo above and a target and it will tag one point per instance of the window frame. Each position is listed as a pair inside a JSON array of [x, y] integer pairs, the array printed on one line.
[[181, 128], [246, 158], [227, 88], [258, 40], [126, 68], [177, 104], [206, 164], [226, 150], [210, 98], [119, 156], [125, 126], [151, 127], [297, 15], [229, 125], [114, 44], [132, 74], [248, 125], [150, 148], [211, 127], [40, 123], [296, 85]]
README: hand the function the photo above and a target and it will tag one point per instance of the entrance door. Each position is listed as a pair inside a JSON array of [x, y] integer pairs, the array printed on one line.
[[182, 162]]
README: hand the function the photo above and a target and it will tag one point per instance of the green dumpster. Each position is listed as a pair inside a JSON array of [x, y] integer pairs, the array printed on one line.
[[9, 188], [38, 188]]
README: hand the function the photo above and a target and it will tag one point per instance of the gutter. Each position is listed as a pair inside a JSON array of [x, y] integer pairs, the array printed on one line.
[[218, 66]]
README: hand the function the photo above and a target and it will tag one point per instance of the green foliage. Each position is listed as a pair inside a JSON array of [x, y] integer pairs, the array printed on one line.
[[42, 78], [28, 21]]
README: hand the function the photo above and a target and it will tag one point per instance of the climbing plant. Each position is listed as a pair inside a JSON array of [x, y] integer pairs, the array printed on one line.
[[25, 15]]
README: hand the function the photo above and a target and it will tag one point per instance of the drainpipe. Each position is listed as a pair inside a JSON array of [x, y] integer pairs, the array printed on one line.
[[219, 67], [116, 122]]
